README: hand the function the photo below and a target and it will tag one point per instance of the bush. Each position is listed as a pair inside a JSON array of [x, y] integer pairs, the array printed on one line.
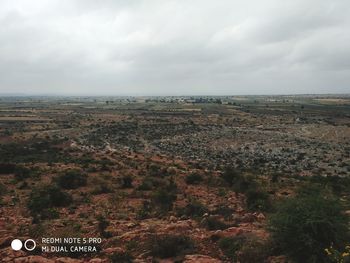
[[22, 173], [145, 211], [243, 184], [149, 183], [72, 179], [167, 246], [127, 181], [121, 257], [146, 185], [164, 199], [230, 246], [193, 209], [7, 168], [213, 223], [252, 250], [102, 226], [3, 189], [231, 175], [42, 201], [194, 178], [239, 182], [258, 200], [224, 210], [305, 225], [102, 187]]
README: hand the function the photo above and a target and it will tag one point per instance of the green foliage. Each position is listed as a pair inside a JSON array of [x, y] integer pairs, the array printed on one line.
[[165, 246], [42, 200], [230, 246], [194, 209], [213, 223], [72, 179], [37, 230], [240, 183], [224, 210], [305, 225], [7, 168], [337, 184], [146, 185], [102, 187], [22, 173], [258, 200], [194, 178], [102, 226], [121, 257], [145, 211], [252, 250], [149, 183], [3, 189], [33, 151], [164, 199], [127, 181], [231, 175]]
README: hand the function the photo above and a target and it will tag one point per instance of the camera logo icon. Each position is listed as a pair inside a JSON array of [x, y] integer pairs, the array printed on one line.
[[17, 244]]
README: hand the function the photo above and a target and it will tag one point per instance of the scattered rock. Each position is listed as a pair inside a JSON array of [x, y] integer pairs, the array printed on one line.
[[229, 232], [261, 217], [33, 259], [67, 260], [112, 250], [172, 219], [200, 259], [248, 218]]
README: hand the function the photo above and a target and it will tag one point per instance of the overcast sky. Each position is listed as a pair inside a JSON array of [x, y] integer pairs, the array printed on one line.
[[174, 47]]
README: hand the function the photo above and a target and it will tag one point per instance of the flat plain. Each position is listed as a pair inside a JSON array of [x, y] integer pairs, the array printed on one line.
[[152, 176]]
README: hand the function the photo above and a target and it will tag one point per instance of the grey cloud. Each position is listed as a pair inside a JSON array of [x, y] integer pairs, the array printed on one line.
[[174, 47]]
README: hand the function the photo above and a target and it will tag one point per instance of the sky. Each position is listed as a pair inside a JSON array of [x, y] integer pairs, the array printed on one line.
[[174, 47]]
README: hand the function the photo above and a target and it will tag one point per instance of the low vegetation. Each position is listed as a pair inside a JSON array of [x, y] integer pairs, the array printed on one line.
[[44, 199], [304, 226], [166, 246]]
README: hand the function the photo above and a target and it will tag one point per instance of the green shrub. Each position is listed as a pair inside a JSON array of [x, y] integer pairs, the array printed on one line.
[[22, 173], [127, 181], [194, 178], [102, 226], [193, 209], [149, 183], [305, 225], [121, 257], [240, 183], [230, 246], [213, 223], [252, 250], [42, 201], [3, 189], [164, 199], [102, 187], [231, 175], [146, 185], [72, 179], [166, 246], [243, 184], [258, 200], [7, 168], [224, 210], [145, 211]]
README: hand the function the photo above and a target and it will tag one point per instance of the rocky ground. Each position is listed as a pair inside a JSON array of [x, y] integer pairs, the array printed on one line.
[[149, 179]]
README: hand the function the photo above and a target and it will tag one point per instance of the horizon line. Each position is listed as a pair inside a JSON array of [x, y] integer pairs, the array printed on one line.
[[163, 95]]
